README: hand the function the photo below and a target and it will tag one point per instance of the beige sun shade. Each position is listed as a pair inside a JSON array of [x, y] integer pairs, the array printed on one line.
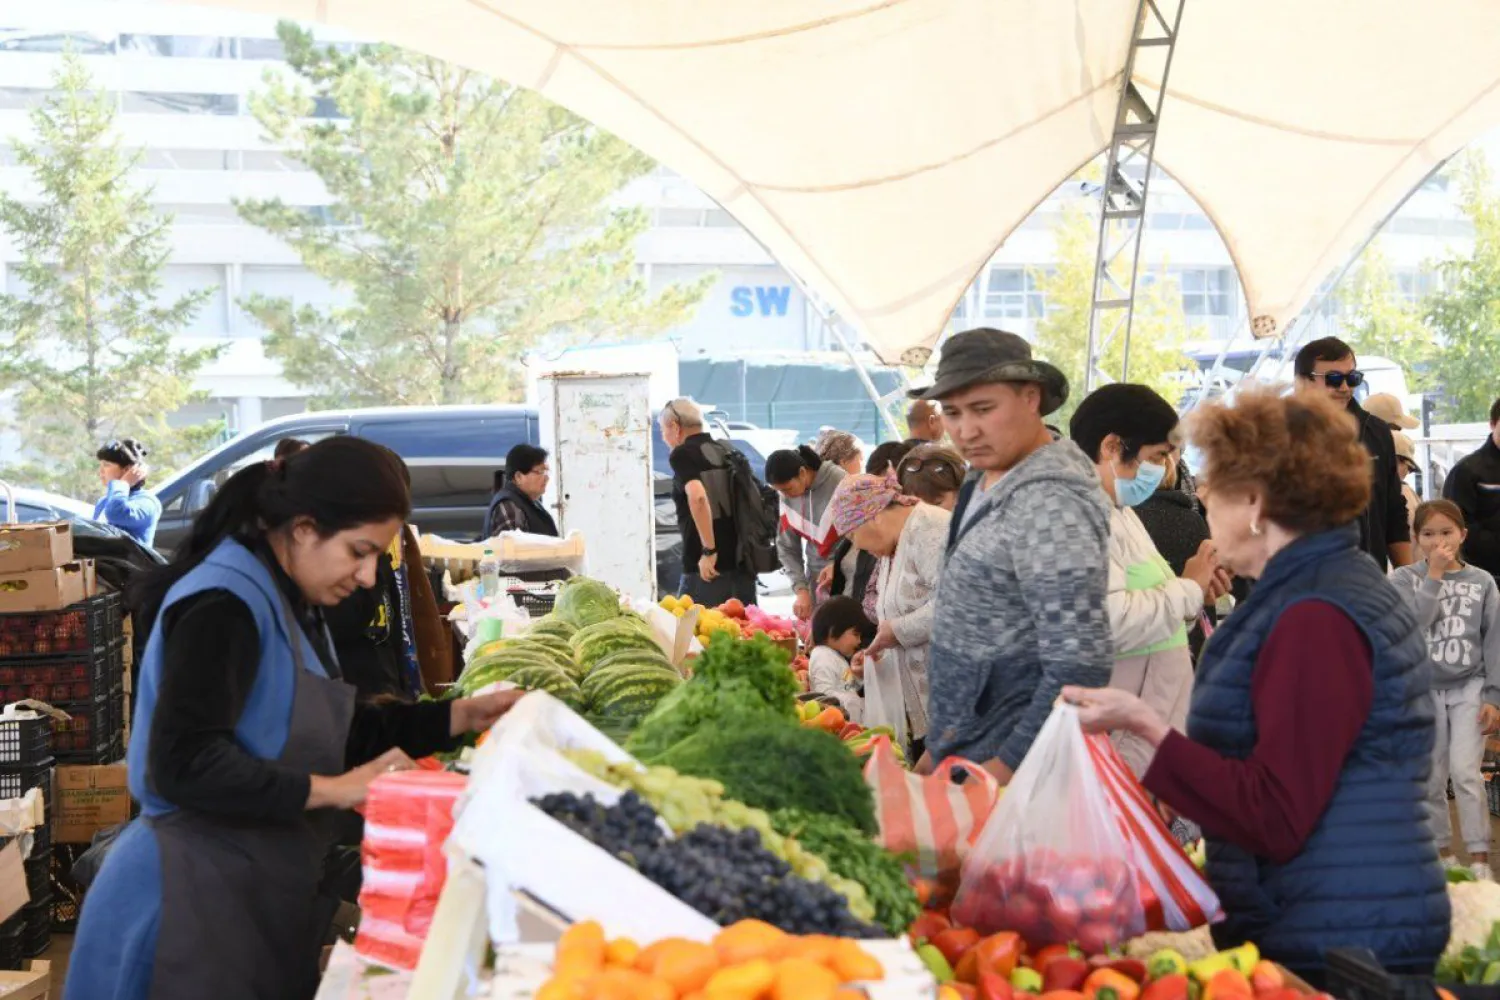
[[883, 149]]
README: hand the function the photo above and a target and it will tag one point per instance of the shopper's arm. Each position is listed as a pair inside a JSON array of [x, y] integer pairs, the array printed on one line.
[[1141, 618], [133, 513], [1422, 593], [1311, 692], [922, 554], [1057, 549], [789, 548], [420, 730], [703, 514], [210, 659]]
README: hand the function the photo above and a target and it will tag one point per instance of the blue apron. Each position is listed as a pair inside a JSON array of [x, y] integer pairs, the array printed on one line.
[[191, 905]]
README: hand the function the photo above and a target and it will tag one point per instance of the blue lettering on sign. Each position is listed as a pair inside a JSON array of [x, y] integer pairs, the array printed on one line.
[[771, 301]]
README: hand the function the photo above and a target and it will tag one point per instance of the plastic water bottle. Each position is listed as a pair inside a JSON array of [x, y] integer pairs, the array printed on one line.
[[489, 575]]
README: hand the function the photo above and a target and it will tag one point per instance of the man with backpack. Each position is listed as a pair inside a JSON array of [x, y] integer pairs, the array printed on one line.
[[728, 534]]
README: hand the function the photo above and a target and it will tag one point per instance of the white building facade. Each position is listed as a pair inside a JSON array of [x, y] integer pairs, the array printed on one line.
[[183, 77]]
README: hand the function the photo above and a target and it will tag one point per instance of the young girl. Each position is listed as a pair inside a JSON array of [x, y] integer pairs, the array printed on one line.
[[840, 629], [1459, 607]]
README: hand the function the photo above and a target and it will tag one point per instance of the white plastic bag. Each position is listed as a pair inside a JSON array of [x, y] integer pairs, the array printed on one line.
[[885, 704]]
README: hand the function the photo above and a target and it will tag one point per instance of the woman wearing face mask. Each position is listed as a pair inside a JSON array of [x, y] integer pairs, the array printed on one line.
[[1128, 430], [247, 740]]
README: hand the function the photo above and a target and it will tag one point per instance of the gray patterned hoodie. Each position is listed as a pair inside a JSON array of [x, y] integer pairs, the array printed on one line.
[[1021, 607]]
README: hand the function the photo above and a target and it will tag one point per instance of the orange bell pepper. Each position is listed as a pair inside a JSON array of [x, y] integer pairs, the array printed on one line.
[[1108, 984], [1227, 984], [999, 953], [1174, 987]]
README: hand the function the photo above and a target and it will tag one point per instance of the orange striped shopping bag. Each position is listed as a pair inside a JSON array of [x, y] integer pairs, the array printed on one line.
[[933, 818], [1173, 893]]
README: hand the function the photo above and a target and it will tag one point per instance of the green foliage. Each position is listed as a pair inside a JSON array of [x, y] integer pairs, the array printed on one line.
[[470, 219], [89, 343], [1158, 330], [851, 854], [1465, 312], [583, 602], [1380, 323]]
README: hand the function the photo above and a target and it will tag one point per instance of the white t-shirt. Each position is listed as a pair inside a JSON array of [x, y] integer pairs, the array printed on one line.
[[825, 676]]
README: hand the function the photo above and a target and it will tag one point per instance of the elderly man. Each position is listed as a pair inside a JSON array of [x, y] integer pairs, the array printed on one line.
[[703, 493], [1020, 609]]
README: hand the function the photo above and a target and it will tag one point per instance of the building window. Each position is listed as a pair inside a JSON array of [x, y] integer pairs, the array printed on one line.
[[153, 102], [273, 162], [269, 49], [188, 159], [1011, 293], [80, 42], [324, 107], [200, 215], [176, 46], [22, 98], [1206, 291], [1414, 286]]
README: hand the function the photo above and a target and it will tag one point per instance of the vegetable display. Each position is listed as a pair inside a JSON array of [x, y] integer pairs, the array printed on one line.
[[583, 602], [857, 858], [727, 875]]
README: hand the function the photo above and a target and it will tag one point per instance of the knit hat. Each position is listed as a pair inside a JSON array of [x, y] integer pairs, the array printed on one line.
[[123, 452]]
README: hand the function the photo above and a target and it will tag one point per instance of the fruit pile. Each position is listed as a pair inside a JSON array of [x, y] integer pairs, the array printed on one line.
[[1051, 898], [857, 738], [726, 875], [749, 960], [733, 618], [1001, 966]]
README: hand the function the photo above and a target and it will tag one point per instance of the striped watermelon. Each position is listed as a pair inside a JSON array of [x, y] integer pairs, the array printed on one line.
[[594, 643], [627, 689], [552, 681], [552, 625], [499, 667]]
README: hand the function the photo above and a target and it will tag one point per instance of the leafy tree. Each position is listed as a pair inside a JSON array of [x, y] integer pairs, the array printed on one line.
[[1157, 333], [88, 349], [1465, 312], [1380, 322], [470, 220]]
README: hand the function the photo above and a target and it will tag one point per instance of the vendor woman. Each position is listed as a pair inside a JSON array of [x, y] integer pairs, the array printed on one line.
[[248, 739], [1310, 731]]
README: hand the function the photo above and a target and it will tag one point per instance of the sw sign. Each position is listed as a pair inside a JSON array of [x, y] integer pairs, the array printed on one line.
[[744, 300]]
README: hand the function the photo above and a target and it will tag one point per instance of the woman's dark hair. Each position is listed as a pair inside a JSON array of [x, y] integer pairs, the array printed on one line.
[[123, 452], [784, 465], [339, 483], [287, 447], [886, 455], [1443, 507], [838, 615], [930, 471], [523, 458], [1133, 412]]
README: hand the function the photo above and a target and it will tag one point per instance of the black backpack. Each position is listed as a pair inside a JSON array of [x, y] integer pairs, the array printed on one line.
[[733, 490]]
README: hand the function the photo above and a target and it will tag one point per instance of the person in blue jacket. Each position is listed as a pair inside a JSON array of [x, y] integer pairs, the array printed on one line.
[[247, 739], [127, 504]]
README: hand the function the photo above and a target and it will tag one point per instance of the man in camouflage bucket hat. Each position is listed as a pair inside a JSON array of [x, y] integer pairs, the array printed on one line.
[[1020, 609]]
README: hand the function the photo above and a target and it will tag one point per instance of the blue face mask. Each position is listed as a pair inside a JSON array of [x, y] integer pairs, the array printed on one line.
[[1137, 490]]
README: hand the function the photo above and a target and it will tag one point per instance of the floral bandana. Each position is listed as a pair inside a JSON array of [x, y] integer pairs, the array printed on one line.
[[859, 499]]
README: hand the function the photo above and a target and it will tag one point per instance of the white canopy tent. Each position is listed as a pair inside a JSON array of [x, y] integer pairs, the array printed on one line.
[[883, 149]]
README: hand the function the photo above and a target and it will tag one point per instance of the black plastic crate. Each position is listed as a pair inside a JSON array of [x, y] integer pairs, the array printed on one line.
[[15, 783], [36, 933], [91, 626], [72, 677], [25, 742], [67, 898], [535, 603], [1492, 791], [11, 944], [87, 737], [39, 875]]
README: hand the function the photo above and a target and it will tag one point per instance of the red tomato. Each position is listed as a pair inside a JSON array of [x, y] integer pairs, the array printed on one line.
[[1094, 937], [954, 941], [1065, 913], [1021, 913], [928, 926], [1099, 905]]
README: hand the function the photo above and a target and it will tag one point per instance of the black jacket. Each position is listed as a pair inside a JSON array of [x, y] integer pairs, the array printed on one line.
[[1383, 523], [1175, 526], [520, 513], [1474, 484]]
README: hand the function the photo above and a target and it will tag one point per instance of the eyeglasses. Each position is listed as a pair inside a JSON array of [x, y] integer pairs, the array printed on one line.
[[937, 465], [1335, 380]]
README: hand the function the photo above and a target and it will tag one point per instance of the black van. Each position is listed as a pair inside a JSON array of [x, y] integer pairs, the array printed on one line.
[[453, 453]]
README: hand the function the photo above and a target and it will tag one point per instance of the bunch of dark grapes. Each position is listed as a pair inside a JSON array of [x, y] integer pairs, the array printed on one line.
[[724, 874]]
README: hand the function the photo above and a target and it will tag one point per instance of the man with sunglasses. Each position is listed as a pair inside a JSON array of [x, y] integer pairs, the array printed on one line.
[[1328, 365]]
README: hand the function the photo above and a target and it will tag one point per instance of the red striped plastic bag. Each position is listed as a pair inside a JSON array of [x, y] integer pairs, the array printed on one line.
[[932, 818], [1173, 893]]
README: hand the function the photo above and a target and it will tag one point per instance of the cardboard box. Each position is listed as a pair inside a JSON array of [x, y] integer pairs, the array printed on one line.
[[33, 984], [89, 798], [27, 547], [45, 589]]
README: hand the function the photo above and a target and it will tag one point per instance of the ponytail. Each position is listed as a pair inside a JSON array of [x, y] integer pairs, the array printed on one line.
[[339, 483], [784, 465]]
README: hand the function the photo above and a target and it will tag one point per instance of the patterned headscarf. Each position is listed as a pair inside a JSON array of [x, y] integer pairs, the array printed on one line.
[[859, 499]]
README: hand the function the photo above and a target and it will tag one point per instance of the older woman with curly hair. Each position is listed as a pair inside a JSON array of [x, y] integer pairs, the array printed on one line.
[[1310, 733]]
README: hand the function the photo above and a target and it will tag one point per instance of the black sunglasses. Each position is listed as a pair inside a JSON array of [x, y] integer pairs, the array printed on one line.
[[1334, 380]]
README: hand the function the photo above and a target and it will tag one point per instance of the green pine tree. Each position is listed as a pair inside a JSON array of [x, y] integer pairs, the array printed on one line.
[[1465, 312], [470, 220], [88, 345]]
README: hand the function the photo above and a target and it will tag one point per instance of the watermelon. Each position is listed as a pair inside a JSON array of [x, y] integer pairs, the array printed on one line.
[[551, 681], [500, 666], [592, 644], [552, 625], [628, 692], [582, 602]]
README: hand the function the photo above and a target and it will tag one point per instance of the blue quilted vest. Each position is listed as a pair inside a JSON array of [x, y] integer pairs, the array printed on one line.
[[266, 719], [1368, 876]]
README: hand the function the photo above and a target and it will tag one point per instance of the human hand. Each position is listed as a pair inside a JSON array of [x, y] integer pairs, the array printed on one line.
[[1223, 584], [885, 638], [135, 475], [1489, 718], [708, 568], [1441, 557], [857, 665], [350, 789], [802, 605], [1103, 710], [1000, 770], [825, 577], [1202, 567], [924, 764], [475, 715]]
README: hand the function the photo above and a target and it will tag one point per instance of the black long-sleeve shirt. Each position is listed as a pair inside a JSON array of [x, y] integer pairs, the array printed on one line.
[[1474, 484], [210, 659]]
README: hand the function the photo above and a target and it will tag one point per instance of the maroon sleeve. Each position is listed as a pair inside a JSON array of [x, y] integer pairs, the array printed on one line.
[[1311, 693]]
